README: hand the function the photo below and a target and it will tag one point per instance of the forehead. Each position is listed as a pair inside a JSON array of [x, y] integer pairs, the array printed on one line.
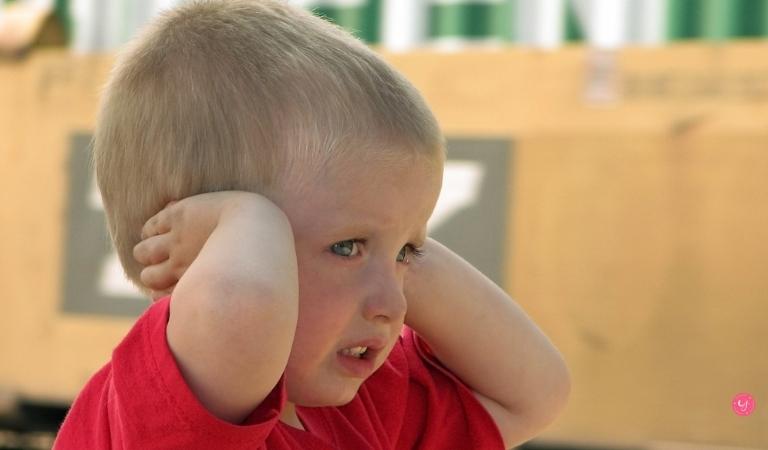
[[360, 198]]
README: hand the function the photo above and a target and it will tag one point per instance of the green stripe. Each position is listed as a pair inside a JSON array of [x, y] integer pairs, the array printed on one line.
[[350, 18], [362, 21], [752, 18], [719, 19], [371, 31], [574, 31], [472, 20], [687, 19], [684, 20], [61, 9]]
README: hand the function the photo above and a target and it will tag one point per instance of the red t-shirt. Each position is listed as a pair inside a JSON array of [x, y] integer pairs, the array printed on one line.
[[140, 400]]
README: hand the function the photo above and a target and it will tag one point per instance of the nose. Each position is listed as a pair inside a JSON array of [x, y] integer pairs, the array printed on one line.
[[384, 300]]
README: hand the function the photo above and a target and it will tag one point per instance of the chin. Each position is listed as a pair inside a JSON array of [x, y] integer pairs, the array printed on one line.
[[324, 395]]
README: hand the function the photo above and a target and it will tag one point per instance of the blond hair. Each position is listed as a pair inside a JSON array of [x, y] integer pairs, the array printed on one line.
[[243, 95]]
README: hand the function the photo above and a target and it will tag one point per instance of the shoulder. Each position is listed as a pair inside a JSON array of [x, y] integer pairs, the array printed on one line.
[[148, 379], [94, 407], [141, 400], [88, 412]]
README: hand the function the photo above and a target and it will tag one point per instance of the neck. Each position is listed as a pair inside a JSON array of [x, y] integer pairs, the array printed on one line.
[[289, 416]]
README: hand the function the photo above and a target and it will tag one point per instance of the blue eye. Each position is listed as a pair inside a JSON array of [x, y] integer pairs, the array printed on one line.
[[346, 248], [406, 252]]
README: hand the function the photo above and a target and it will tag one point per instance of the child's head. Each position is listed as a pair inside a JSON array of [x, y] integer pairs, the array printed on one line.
[[355, 234], [247, 95]]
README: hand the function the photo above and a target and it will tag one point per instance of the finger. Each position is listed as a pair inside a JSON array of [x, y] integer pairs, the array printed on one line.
[[153, 250], [159, 277], [157, 224]]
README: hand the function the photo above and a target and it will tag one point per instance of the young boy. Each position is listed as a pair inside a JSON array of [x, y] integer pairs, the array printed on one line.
[[294, 172]]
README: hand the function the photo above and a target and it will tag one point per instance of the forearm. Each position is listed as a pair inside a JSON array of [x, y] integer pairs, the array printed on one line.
[[234, 311], [486, 339], [250, 250]]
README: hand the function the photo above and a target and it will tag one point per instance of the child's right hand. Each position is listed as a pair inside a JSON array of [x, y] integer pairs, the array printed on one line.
[[229, 259], [172, 238]]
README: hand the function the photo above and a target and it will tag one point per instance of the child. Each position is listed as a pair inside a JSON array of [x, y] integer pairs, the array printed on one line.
[[294, 172]]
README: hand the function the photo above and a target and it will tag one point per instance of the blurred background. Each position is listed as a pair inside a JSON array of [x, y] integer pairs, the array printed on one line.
[[608, 166]]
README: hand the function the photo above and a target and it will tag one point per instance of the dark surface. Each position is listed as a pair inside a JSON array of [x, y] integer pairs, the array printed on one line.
[[533, 445]]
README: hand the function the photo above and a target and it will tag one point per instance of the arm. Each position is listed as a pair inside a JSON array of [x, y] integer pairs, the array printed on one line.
[[488, 341], [235, 306]]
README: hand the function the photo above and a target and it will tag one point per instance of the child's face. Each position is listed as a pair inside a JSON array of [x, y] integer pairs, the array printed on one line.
[[354, 234]]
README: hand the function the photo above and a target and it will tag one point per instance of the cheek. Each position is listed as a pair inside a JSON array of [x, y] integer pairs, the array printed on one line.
[[329, 297]]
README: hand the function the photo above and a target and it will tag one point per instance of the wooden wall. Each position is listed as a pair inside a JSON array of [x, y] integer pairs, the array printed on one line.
[[638, 227]]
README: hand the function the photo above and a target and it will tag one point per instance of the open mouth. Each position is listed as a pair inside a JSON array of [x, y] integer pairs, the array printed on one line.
[[356, 352], [360, 359]]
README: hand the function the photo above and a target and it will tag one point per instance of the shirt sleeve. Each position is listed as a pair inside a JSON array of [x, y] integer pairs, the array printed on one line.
[[150, 406], [441, 411]]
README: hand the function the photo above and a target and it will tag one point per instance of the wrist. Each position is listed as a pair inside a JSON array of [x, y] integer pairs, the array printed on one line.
[[252, 204], [421, 277]]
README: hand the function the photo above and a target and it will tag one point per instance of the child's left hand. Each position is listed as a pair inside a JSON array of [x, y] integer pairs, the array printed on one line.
[[524, 382]]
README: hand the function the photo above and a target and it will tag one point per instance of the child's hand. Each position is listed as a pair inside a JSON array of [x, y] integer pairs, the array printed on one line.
[[172, 238], [230, 260]]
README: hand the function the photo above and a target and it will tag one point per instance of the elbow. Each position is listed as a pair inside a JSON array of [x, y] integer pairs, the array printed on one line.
[[264, 303], [235, 303], [553, 397], [561, 393], [541, 409]]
